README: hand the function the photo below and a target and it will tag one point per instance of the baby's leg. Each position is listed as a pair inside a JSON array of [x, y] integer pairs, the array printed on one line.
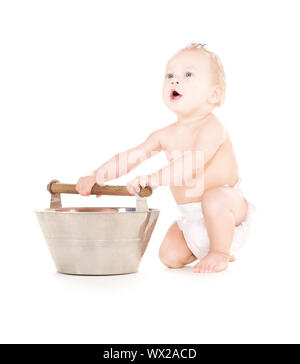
[[223, 209], [174, 252]]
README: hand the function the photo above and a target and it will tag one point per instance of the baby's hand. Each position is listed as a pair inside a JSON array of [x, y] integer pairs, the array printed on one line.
[[85, 185], [134, 185]]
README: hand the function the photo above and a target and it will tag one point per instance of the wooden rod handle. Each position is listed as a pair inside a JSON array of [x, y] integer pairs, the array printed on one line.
[[56, 187]]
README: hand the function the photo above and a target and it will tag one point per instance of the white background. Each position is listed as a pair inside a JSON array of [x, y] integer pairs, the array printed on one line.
[[81, 81]]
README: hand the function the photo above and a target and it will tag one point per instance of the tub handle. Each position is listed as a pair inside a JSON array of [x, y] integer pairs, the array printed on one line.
[[56, 188]]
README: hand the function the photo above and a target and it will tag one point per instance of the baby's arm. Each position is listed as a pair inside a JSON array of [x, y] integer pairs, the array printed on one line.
[[124, 162], [121, 163]]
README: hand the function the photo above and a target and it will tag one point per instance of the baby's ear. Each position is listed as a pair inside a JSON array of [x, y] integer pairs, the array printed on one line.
[[215, 95]]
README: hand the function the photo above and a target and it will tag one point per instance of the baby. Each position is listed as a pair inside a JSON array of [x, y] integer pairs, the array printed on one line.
[[202, 172]]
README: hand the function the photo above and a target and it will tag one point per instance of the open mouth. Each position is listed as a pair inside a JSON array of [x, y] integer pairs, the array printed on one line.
[[175, 95]]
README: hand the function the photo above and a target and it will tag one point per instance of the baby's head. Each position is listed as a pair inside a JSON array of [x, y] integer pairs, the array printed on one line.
[[198, 77]]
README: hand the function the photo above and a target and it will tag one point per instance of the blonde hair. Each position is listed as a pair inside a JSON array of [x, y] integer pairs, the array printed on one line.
[[215, 64]]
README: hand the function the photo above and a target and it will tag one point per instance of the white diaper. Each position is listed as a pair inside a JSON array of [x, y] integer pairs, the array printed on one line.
[[191, 222]]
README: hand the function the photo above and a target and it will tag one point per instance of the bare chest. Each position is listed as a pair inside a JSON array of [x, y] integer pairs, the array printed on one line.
[[177, 142]]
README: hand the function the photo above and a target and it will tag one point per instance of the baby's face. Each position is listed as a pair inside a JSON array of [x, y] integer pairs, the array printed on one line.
[[188, 82]]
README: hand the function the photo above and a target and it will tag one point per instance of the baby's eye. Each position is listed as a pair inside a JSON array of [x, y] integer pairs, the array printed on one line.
[[188, 74], [170, 75]]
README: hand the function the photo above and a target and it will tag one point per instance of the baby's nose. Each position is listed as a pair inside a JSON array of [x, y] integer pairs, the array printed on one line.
[[173, 82]]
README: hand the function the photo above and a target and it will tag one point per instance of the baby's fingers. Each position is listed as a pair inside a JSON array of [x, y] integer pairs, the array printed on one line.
[[98, 196], [131, 188], [83, 190], [136, 187]]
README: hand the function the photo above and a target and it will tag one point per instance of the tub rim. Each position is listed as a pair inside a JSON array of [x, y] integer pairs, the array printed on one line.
[[54, 210]]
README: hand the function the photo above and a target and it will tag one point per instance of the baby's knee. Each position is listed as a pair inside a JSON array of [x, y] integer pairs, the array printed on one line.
[[170, 259]]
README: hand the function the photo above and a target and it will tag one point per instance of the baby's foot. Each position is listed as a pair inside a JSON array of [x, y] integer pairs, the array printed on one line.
[[213, 262]]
